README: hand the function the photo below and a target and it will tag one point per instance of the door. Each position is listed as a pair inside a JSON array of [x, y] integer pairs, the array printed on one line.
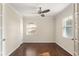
[[76, 40], [76, 28]]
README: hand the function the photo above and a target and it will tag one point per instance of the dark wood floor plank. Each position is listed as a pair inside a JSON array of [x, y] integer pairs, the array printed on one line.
[[40, 49]]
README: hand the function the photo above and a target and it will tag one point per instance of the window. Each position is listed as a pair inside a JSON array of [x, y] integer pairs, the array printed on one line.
[[30, 28], [68, 29]]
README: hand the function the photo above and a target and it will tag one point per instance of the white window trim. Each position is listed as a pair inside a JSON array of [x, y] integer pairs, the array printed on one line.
[[63, 25]]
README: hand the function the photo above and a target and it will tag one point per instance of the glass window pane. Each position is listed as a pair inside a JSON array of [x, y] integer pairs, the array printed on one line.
[[68, 29]]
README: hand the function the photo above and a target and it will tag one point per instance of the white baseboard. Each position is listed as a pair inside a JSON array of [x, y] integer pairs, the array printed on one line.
[[38, 42]]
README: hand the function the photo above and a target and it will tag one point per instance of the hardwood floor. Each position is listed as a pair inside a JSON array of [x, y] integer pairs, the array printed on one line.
[[40, 49]]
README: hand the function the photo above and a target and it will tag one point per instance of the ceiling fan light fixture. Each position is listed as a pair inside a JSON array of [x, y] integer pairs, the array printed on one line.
[[43, 15]]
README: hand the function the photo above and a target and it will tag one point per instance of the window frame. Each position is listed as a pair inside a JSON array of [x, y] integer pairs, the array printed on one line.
[[65, 26]]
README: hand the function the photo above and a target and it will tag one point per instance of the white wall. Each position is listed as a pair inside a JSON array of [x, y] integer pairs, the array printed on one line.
[[65, 43], [45, 31], [12, 29]]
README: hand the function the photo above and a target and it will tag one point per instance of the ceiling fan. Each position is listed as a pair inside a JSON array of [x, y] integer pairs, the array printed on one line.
[[42, 13]]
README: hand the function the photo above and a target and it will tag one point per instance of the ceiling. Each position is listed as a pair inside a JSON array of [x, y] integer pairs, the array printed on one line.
[[32, 8]]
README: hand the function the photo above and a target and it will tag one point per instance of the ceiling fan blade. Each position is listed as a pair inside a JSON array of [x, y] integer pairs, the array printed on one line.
[[45, 11]]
